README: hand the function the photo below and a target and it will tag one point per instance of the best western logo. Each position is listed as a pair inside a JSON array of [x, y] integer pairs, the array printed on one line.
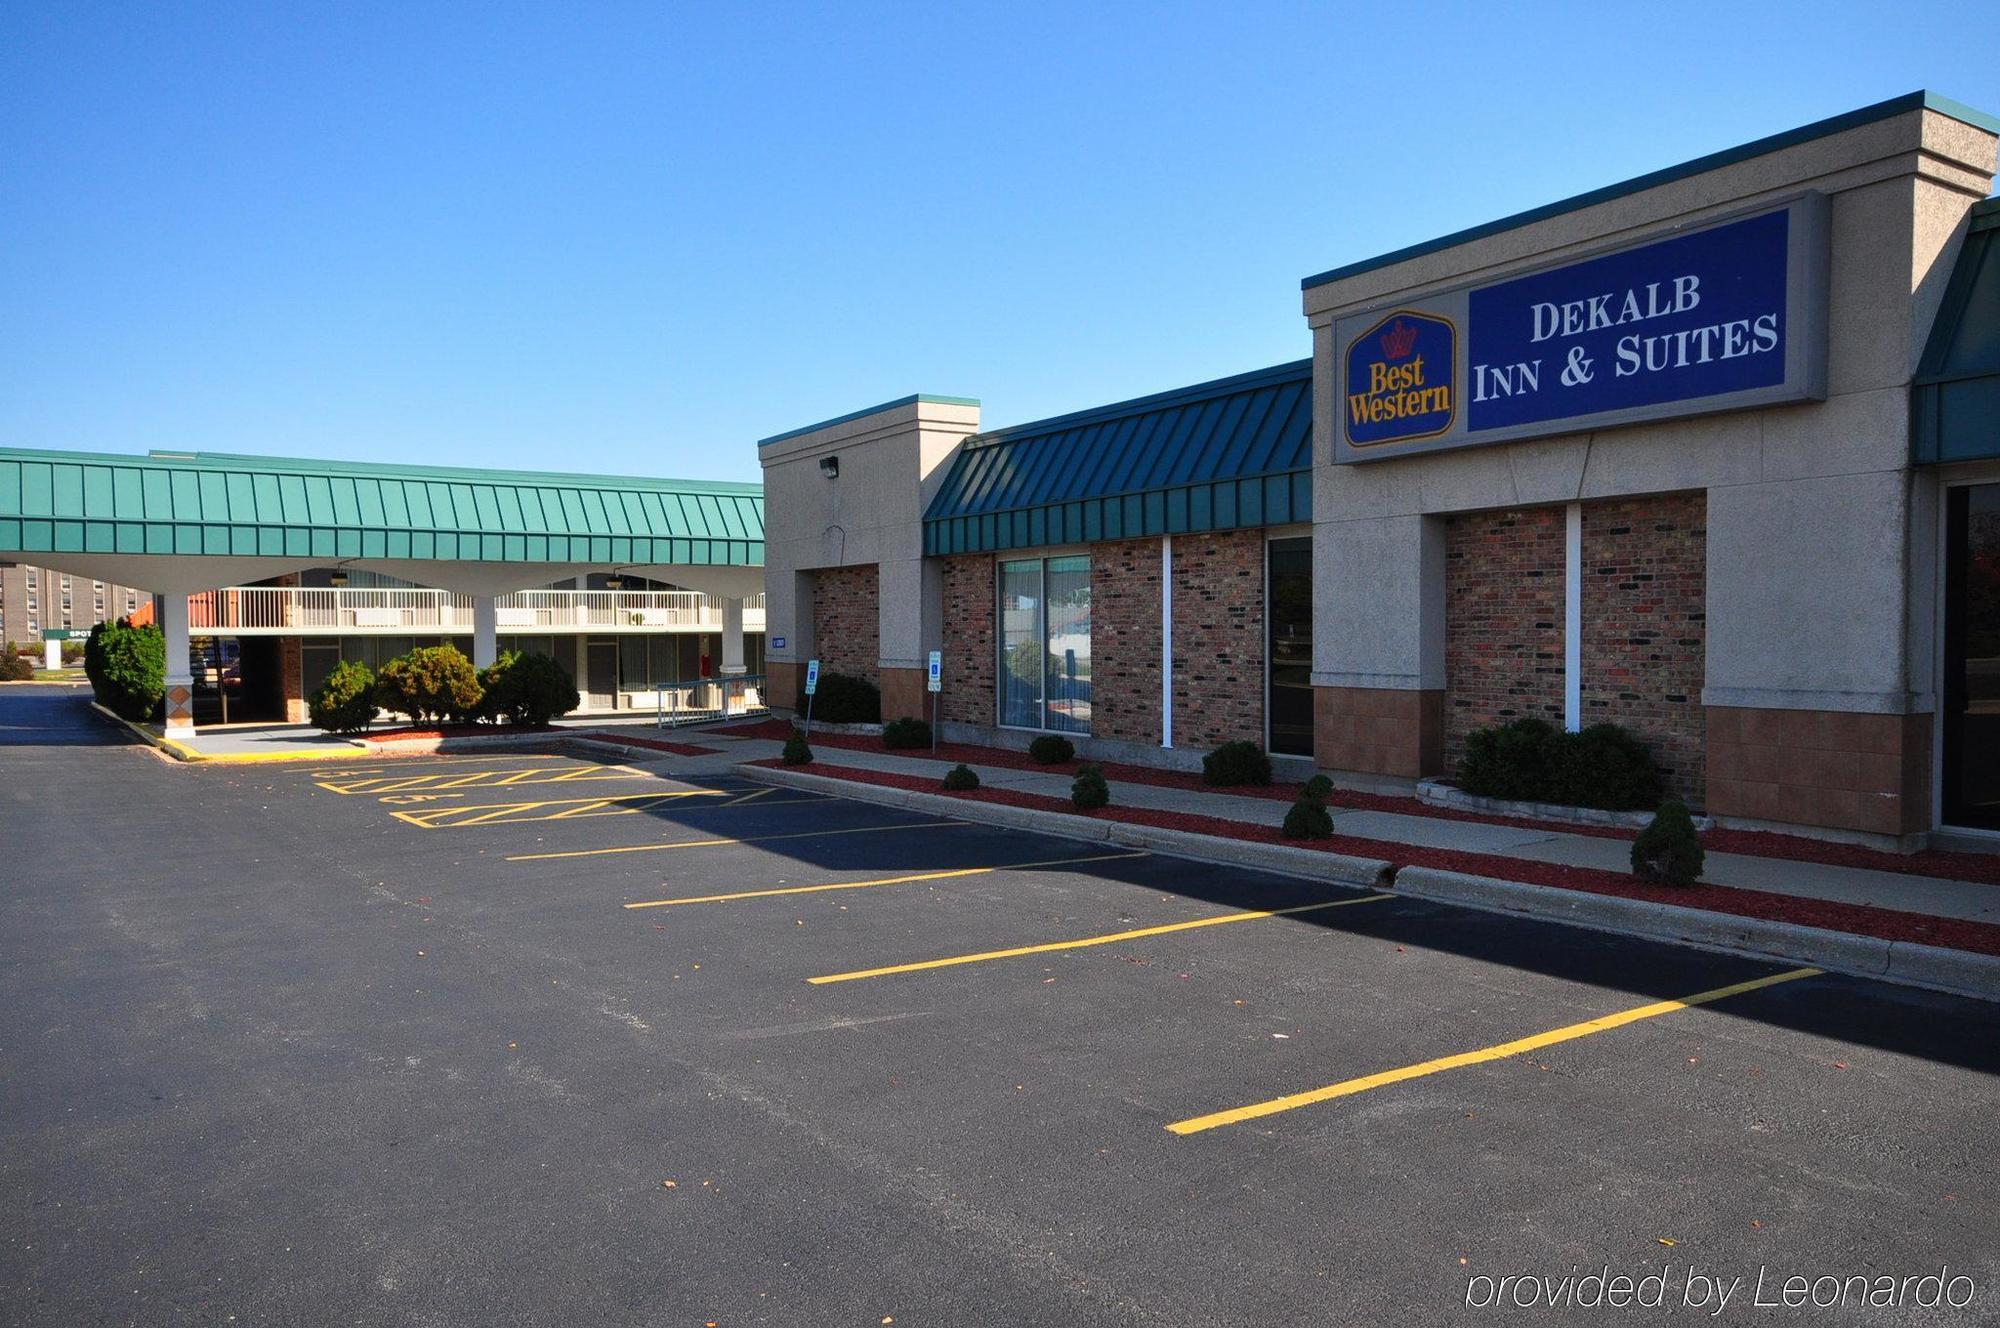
[[1400, 379]]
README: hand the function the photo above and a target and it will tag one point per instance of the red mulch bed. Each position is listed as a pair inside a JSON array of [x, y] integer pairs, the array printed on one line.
[[1979, 868], [1860, 920]]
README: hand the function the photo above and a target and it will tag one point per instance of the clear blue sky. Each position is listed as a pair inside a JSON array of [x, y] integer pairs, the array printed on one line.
[[638, 238]]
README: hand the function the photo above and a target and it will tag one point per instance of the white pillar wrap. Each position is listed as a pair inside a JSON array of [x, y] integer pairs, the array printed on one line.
[[485, 630], [180, 669], [732, 636], [52, 654]]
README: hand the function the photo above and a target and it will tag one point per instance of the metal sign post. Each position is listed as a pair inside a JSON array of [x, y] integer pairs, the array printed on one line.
[[812, 685], [935, 682]]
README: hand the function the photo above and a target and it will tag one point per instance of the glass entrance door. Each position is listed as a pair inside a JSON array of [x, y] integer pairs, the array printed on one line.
[[1288, 620], [1971, 700]]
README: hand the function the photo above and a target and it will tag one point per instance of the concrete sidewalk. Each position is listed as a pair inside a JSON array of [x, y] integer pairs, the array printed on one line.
[[1926, 895]]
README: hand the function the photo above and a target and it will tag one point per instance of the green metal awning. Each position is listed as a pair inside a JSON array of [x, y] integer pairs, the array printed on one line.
[[1955, 399], [182, 504], [1224, 455]]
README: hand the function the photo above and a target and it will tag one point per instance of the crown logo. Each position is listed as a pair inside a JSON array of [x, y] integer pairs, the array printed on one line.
[[1399, 340]]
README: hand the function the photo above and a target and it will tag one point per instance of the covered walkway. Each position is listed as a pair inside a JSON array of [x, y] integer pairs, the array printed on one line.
[[185, 524]]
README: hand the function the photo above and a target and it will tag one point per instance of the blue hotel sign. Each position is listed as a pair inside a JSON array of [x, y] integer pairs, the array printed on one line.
[[1723, 318]]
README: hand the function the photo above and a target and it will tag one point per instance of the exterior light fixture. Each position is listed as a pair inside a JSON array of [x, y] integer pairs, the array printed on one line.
[[829, 466], [338, 579], [614, 582]]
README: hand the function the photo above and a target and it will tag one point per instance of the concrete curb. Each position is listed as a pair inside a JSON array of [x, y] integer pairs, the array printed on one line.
[[1957, 971], [1312, 864], [180, 751]]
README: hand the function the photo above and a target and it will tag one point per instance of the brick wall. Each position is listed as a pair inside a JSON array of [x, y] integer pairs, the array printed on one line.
[[1503, 655], [1125, 640], [969, 649], [847, 621], [1645, 588], [1218, 638]]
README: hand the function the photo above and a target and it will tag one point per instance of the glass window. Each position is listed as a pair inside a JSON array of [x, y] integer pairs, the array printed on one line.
[[1972, 657], [1021, 646], [1045, 644], [1068, 616]]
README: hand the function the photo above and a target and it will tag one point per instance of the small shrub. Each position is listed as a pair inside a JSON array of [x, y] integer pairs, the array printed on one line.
[[526, 689], [345, 702], [1512, 761], [1319, 788], [430, 684], [1604, 766], [1668, 851], [797, 752], [1088, 791], [841, 699], [903, 733], [132, 671], [15, 668], [960, 778], [1308, 819], [1239, 762], [1052, 749]]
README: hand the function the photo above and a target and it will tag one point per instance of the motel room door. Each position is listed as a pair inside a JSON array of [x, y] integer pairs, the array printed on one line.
[[600, 673], [1971, 721], [1288, 601]]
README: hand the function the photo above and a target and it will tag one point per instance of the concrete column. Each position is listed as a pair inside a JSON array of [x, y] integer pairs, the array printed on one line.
[[485, 630], [180, 669], [732, 636]]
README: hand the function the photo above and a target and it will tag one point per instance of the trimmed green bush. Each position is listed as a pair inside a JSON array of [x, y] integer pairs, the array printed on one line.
[[431, 684], [1605, 766], [842, 699], [132, 670], [1668, 851], [526, 689], [93, 658], [15, 668], [1529, 760], [1052, 749], [960, 778], [1513, 761], [1088, 791], [1239, 762], [797, 752], [1308, 819], [1319, 788], [898, 734], [345, 702]]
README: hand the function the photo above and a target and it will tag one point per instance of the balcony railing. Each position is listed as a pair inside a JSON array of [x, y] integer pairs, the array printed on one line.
[[299, 610]]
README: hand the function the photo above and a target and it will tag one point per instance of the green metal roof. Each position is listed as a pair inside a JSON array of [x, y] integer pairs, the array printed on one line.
[[214, 504], [1224, 455], [1883, 110], [1955, 399]]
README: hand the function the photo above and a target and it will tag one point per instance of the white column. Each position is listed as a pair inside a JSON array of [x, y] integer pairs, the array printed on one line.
[[52, 654], [732, 636], [485, 630], [1573, 617], [180, 669]]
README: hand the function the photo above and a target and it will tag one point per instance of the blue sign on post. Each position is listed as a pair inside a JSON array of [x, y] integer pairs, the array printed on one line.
[[812, 676], [936, 673]]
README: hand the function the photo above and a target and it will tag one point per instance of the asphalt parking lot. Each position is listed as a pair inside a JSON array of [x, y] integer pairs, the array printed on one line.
[[541, 1039]]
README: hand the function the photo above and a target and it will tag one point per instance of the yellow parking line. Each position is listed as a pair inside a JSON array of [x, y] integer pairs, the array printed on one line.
[[1112, 938], [886, 880], [711, 843], [752, 797], [495, 813], [1500, 1051]]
